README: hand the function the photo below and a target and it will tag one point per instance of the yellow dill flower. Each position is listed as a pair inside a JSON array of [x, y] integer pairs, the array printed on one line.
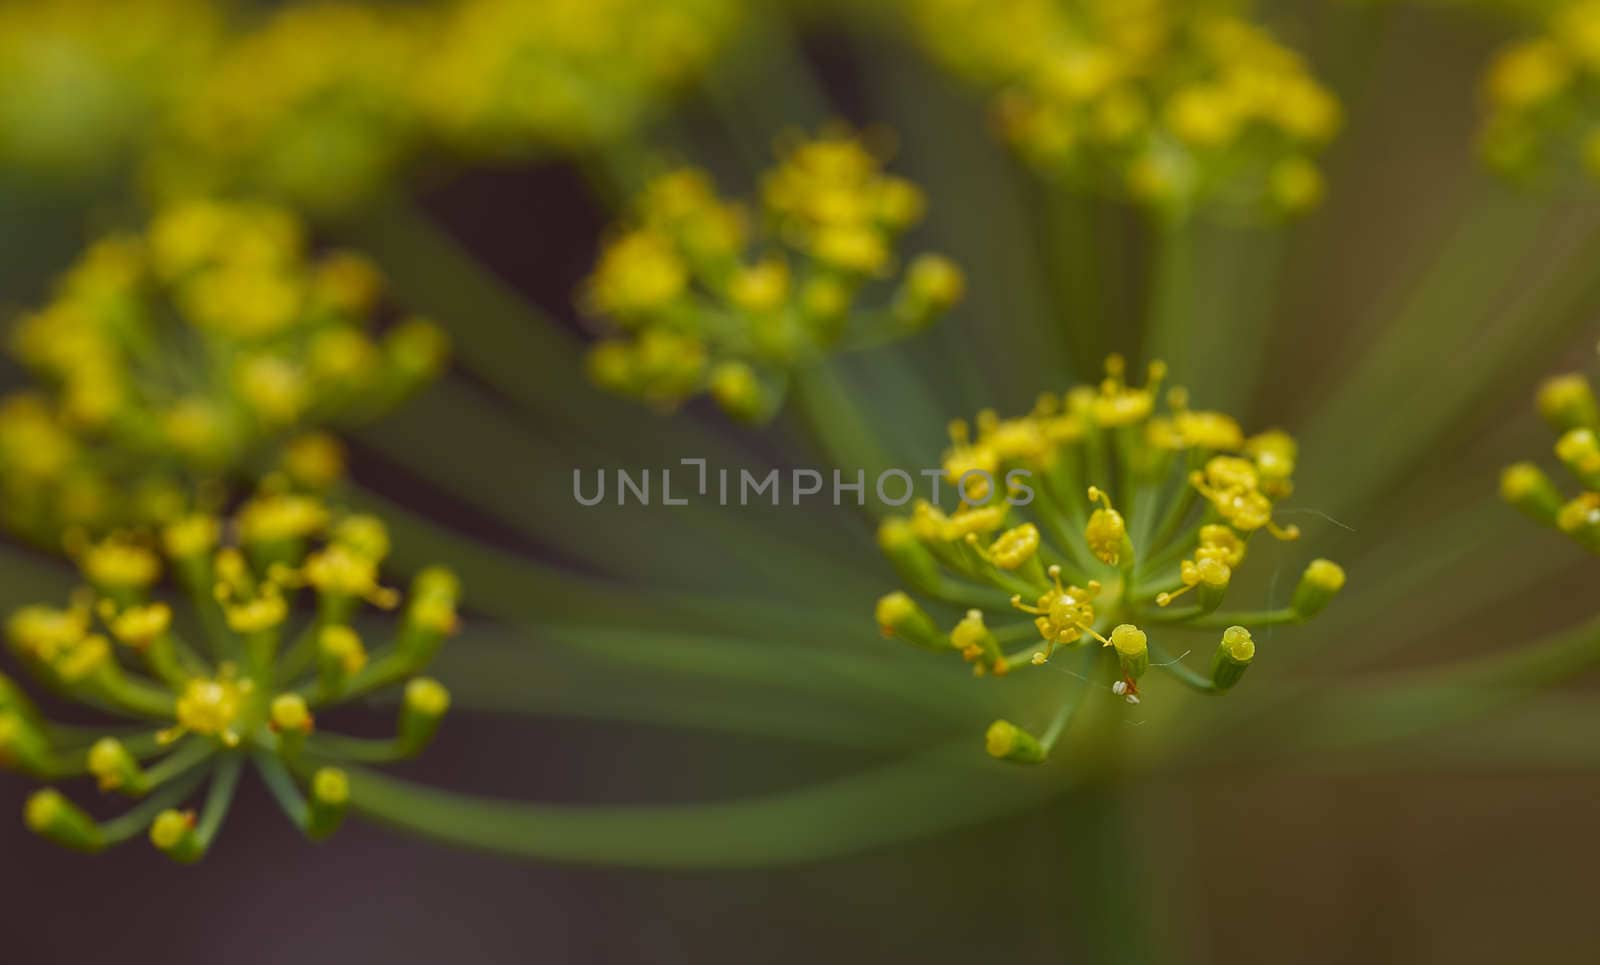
[[213, 343], [310, 104], [243, 693], [84, 84], [1084, 570], [706, 305], [1542, 105], [599, 67], [1175, 104], [1567, 402]]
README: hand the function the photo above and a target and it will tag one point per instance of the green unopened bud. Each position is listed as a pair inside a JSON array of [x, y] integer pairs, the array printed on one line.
[[173, 833], [1526, 487], [50, 815], [364, 535], [933, 285], [115, 769], [423, 708], [430, 615], [1133, 650], [739, 391], [1580, 519], [1567, 402], [1232, 659], [1579, 449], [1007, 742], [340, 656], [1321, 582], [900, 616], [910, 558], [418, 350], [290, 718], [328, 800]]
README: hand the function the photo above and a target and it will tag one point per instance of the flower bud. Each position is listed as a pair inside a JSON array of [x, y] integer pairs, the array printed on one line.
[[1579, 449], [977, 644], [933, 285], [738, 389], [173, 834], [430, 615], [899, 616], [1215, 576], [340, 656], [1007, 742], [328, 801], [910, 558], [115, 769], [424, 706], [417, 349], [1133, 651], [1232, 659], [291, 720], [1321, 582], [1526, 487], [1567, 402], [50, 815]]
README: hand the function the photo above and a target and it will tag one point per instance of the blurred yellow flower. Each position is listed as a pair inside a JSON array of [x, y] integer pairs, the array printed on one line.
[[183, 354], [83, 83], [1175, 104], [705, 301], [504, 77]]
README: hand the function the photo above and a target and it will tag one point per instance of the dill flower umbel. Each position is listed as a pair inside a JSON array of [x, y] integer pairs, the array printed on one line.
[[311, 105], [514, 78], [1174, 104], [1567, 403], [706, 303], [82, 83], [208, 346], [247, 695], [1100, 520], [1543, 95]]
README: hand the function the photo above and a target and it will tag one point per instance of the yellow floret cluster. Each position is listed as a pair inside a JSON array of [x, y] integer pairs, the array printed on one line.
[[705, 297], [1103, 512], [209, 344], [1174, 104]]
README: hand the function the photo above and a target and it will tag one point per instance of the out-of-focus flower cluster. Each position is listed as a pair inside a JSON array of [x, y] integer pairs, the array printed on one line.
[[1543, 95], [205, 348], [1174, 103], [1082, 523], [510, 77], [83, 84], [705, 301], [323, 103], [310, 105], [1567, 403], [220, 680]]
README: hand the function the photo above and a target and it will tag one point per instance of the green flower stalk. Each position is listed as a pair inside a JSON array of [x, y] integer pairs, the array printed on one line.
[[248, 696], [1543, 96], [209, 347], [1176, 105], [507, 78], [310, 105], [1567, 403], [705, 303], [1055, 547]]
